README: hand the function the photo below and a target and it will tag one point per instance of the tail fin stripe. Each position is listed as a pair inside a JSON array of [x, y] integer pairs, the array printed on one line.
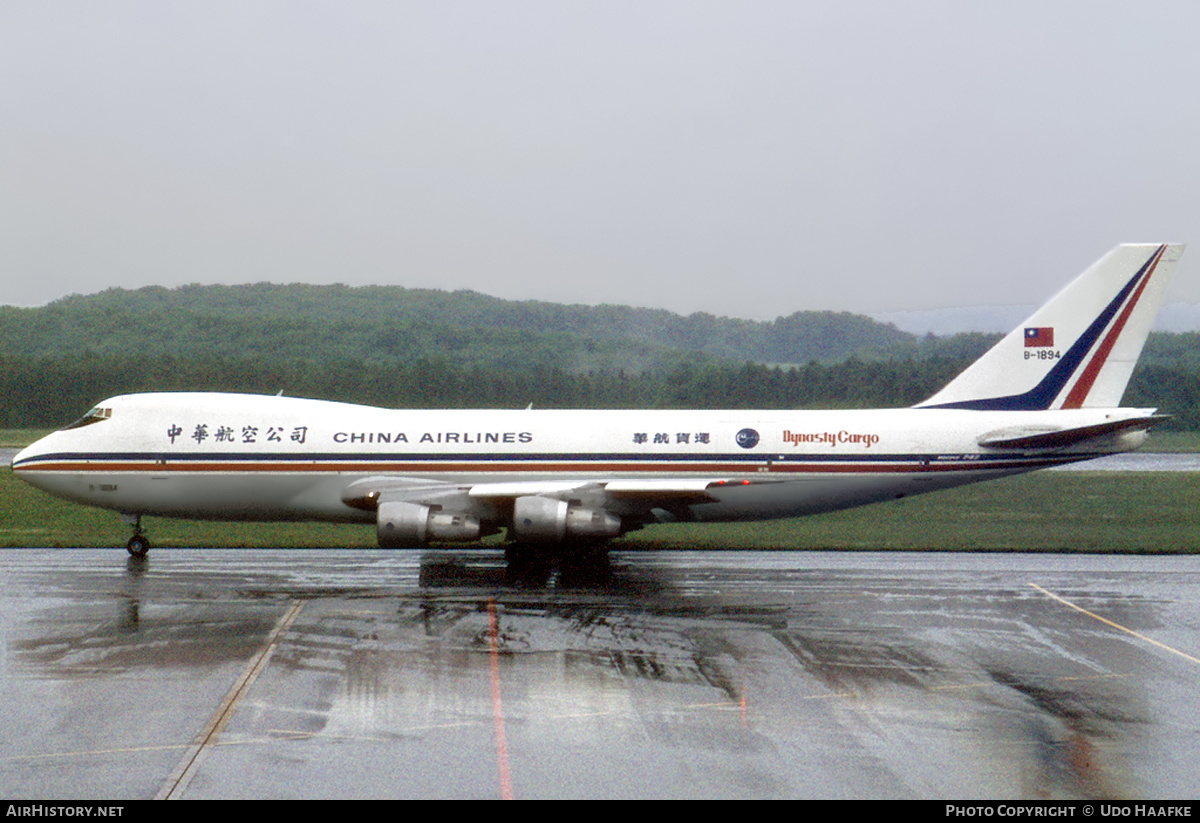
[[1084, 384], [1042, 395]]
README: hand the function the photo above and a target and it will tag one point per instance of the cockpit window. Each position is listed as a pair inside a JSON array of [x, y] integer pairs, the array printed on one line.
[[94, 416]]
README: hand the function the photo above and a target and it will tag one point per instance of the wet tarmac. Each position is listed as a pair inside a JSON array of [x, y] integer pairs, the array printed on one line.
[[330, 674]]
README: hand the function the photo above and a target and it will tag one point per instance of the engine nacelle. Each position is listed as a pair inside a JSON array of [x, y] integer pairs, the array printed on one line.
[[546, 520], [400, 524]]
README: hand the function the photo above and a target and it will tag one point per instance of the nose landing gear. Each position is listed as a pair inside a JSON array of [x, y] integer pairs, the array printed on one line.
[[139, 544]]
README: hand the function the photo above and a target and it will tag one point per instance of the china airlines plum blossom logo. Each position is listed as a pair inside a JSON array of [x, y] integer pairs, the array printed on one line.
[[747, 438]]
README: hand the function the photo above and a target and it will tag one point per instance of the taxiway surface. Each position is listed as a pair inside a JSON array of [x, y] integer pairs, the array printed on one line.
[[288, 674]]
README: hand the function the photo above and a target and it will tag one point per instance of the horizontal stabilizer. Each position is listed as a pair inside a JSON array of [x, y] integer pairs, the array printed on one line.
[[1026, 437]]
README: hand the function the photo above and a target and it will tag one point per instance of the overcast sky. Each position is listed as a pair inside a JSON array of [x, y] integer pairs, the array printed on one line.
[[742, 158]]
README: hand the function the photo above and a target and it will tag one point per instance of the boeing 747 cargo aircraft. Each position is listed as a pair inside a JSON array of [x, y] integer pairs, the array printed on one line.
[[1047, 394]]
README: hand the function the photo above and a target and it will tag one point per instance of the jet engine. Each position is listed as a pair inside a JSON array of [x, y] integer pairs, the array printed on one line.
[[400, 524], [547, 520]]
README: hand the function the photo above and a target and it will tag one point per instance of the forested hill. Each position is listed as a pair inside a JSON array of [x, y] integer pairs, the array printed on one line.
[[409, 348], [383, 323]]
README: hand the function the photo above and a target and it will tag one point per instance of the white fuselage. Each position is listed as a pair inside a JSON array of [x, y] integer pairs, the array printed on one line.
[[244, 457]]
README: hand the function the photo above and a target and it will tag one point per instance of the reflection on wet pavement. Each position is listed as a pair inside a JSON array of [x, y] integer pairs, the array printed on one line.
[[666, 675]]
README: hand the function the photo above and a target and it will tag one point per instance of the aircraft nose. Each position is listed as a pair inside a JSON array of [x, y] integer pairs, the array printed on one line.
[[27, 461], [17, 458], [22, 459]]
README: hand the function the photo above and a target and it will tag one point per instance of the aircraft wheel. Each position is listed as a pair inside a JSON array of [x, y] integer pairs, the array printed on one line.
[[138, 545]]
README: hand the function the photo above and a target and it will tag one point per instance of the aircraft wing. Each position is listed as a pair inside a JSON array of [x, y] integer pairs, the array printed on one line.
[[648, 493], [411, 510], [674, 489]]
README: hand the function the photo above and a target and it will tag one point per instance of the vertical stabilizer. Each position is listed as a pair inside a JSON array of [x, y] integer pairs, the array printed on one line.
[[1078, 350]]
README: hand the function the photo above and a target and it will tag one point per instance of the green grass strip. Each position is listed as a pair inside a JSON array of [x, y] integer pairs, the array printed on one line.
[[1133, 512]]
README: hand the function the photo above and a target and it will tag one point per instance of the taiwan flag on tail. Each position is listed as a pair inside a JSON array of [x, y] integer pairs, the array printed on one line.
[[1040, 336]]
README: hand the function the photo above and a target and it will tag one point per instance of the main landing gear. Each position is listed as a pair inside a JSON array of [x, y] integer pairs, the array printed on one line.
[[139, 544]]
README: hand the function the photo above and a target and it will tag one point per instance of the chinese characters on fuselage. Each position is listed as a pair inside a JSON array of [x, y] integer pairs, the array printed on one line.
[[241, 434]]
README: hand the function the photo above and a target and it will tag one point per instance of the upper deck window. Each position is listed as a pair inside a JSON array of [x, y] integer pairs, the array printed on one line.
[[94, 416]]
